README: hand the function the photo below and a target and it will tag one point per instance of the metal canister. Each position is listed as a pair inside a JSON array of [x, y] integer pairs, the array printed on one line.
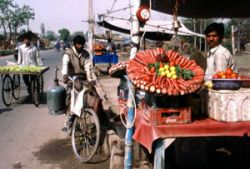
[[56, 97]]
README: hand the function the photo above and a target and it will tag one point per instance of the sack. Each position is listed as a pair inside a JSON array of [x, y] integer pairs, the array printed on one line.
[[93, 102]]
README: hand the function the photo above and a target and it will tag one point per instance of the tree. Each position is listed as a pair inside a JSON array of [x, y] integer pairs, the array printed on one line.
[[21, 16], [5, 6], [242, 31], [64, 34], [12, 16], [51, 35]]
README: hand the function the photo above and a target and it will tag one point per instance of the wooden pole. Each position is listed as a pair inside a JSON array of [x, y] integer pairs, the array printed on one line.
[[91, 28]]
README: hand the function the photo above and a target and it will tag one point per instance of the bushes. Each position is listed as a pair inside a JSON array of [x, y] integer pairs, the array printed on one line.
[[6, 52]]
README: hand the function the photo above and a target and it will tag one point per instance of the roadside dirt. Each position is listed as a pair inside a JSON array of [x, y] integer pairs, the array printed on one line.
[[59, 152]]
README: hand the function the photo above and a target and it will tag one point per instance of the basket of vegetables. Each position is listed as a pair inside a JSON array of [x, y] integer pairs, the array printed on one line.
[[229, 80], [164, 72]]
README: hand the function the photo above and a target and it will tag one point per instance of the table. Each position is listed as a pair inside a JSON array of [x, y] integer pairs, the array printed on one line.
[[107, 58], [167, 133]]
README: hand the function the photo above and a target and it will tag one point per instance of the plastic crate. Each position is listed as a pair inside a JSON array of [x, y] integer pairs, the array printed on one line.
[[166, 116]]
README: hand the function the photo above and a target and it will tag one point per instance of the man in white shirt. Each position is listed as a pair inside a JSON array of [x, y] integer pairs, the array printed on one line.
[[28, 55], [219, 58]]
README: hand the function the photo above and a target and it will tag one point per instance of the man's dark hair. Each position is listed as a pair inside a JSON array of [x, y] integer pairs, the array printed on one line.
[[78, 39], [215, 27]]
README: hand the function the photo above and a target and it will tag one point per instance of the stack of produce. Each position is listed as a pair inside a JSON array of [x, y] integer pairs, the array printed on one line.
[[19, 68], [164, 72]]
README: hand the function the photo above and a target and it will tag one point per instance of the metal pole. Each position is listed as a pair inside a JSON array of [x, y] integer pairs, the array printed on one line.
[[233, 40], [135, 38], [195, 38]]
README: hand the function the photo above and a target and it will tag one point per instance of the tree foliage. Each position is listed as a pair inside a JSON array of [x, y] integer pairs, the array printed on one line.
[[12, 16], [51, 35], [242, 31], [64, 34]]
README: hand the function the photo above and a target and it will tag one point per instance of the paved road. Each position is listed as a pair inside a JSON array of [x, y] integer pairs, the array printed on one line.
[[31, 138]]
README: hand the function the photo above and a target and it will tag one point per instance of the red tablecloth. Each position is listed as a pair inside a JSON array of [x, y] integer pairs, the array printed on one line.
[[146, 134]]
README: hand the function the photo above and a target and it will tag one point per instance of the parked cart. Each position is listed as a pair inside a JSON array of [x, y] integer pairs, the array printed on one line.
[[11, 83]]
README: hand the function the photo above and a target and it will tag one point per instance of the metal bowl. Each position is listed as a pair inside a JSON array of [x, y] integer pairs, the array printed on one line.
[[227, 84]]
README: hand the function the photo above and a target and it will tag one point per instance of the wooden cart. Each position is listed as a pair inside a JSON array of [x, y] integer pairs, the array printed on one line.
[[11, 85]]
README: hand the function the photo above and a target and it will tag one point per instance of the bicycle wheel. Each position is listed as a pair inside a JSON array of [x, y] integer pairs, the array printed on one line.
[[16, 86], [35, 91], [85, 135], [7, 90]]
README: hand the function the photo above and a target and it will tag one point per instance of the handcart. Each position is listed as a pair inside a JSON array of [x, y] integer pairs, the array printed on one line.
[[11, 85]]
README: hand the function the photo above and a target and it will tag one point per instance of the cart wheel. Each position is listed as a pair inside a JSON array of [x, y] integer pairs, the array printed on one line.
[[16, 86], [7, 90], [85, 135], [35, 92]]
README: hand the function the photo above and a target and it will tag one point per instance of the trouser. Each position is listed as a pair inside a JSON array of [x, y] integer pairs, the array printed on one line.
[[27, 80]]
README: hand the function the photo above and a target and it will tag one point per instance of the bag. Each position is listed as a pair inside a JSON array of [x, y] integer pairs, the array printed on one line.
[[93, 102]]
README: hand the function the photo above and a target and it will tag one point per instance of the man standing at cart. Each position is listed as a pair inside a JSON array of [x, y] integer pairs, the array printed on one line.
[[219, 58], [28, 54], [75, 61]]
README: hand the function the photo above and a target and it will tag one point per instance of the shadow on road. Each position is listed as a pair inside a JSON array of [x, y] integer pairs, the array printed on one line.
[[5, 110], [60, 152]]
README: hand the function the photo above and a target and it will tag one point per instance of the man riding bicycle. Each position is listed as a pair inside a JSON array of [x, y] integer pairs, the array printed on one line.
[[75, 61]]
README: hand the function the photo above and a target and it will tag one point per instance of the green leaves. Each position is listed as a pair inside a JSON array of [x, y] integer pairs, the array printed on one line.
[[184, 73]]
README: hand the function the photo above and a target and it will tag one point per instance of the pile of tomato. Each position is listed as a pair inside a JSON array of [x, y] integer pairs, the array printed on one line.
[[227, 74]]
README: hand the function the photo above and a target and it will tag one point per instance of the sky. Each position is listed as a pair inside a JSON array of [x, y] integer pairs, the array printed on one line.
[[70, 14]]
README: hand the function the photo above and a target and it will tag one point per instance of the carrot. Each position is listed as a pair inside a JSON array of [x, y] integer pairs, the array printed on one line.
[[175, 56], [175, 84], [142, 87], [170, 91], [152, 88], [169, 53], [177, 61], [164, 90], [158, 90]]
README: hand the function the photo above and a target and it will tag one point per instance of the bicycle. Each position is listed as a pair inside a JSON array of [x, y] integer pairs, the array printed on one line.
[[85, 134], [85, 131]]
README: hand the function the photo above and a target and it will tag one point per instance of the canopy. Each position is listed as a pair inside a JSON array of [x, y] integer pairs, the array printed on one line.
[[203, 8], [154, 29]]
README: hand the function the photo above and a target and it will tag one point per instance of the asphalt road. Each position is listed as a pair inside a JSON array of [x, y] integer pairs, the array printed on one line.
[[31, 138]]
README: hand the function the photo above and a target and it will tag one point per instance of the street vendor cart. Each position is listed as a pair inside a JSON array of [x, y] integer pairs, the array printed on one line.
[[11, 82]]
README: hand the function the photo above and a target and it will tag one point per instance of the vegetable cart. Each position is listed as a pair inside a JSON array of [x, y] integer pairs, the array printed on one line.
[[11, 82]]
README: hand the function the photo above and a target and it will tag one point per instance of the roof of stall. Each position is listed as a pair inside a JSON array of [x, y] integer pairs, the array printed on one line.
[[203, 8], [154, 29]]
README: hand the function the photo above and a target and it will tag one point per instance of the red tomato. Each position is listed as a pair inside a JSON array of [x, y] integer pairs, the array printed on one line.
[[216, 76], [234, 75], [229, 71], [223, 76]]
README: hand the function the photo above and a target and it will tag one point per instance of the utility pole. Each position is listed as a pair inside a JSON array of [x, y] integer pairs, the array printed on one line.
[[233, 39], [91, 28], [135, 38]]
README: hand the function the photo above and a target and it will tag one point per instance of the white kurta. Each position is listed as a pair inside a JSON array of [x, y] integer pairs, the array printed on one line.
[[28, 55]]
